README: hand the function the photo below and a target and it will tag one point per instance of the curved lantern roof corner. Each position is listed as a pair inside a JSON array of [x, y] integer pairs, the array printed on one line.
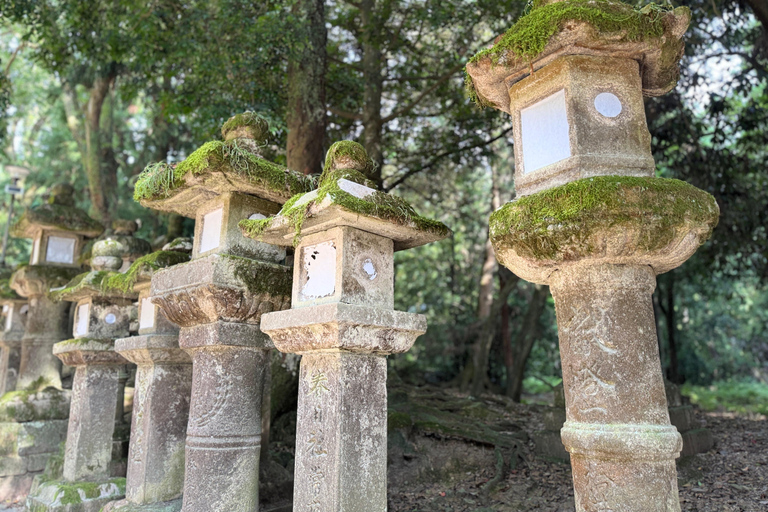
[[233, 165], [345, 197], [651, 35], [59, 214]]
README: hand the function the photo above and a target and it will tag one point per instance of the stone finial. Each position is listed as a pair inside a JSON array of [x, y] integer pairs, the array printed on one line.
[[248, 125], [124, 227], [62, 194], [350, 155], [107, 255]]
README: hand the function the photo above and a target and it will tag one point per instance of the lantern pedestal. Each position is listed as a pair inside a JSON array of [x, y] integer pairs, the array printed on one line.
[[86, 484]]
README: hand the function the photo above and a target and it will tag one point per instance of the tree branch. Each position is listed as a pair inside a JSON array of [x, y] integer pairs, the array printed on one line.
[[346, 115], [438, 83], [442, 155]]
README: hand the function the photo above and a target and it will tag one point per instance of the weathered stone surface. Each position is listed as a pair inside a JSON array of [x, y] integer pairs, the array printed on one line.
[[224, 431], [95, 395], [221, 287], [46, 325], [341, 439], [343, 327], [31, 405], [10, 342], [622, 446], [159, 420]]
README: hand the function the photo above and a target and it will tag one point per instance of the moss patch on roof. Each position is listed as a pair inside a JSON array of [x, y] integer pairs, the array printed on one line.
[[92, 281], [349, 155], [378, 204], [528, 37], [540, 225], [158, 181], [143, 267], [56, 216]]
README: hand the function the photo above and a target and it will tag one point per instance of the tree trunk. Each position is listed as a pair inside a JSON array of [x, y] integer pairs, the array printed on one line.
[[306, 92], [529, 332], [92, 158], [760, 8], [482, 347], [374, 84], [673, 373]]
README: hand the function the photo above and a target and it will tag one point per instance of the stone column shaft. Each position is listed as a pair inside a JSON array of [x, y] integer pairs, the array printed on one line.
[[223, 442], [159, 419], [47, 323], [91, 422], [617, 428], [341, 442]]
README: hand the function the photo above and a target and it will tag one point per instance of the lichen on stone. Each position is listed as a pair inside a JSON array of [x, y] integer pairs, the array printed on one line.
[[542, 225], [377, 204], [143, 266], [160, 180], [610, 19]]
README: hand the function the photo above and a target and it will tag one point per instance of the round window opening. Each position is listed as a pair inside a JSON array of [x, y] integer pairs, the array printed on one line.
[[110, 318], [608, 104]]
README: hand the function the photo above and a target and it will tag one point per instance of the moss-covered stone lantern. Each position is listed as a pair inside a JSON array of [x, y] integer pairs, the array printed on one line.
[[593, 222], [33, 418], [155, 476], [97, 435], [342, 320], [15, 309], [217, 300]]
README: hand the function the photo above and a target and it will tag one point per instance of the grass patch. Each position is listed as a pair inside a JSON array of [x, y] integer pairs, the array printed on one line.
[[746, 397]]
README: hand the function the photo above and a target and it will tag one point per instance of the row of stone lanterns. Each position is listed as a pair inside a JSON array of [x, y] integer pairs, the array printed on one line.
[[590, 220]]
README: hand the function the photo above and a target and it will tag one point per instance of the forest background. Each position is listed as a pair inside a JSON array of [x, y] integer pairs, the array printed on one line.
[[91, 92]]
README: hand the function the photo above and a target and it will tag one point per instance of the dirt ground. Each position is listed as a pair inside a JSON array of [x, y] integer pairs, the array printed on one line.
[[732, 477]]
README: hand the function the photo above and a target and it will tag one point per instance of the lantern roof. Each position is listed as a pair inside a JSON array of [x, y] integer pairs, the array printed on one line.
[[651, 35], [233, 165], [59, 214], [345, 197]]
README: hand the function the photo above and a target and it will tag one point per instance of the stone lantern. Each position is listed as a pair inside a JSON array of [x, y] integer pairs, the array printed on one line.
[[15, 309], [97, 434], [343, 323], [155, 475], [593, 223], [33, 419], [217, 300]]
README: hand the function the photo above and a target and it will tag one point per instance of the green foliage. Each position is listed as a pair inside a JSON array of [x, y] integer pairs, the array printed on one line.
[[538, 225], [159, 181], [731, 395]]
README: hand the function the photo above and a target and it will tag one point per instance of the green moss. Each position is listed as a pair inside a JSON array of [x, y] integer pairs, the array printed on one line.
[[398, 420], [92, 281], [258, 127], [159, 181], [51, 276], [378, 204], [261, 277], [539, 226], [611, 19], [6, 292], [349, 156], [56, 216], [143, 266], [70, 493]]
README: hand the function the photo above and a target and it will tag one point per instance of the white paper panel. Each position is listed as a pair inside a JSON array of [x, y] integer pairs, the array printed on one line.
[[35, 252], [8, 318], [211, 230], [60, 250], [83, 315], [545, 133], [320, 266], [608, 104], [147, 314]]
